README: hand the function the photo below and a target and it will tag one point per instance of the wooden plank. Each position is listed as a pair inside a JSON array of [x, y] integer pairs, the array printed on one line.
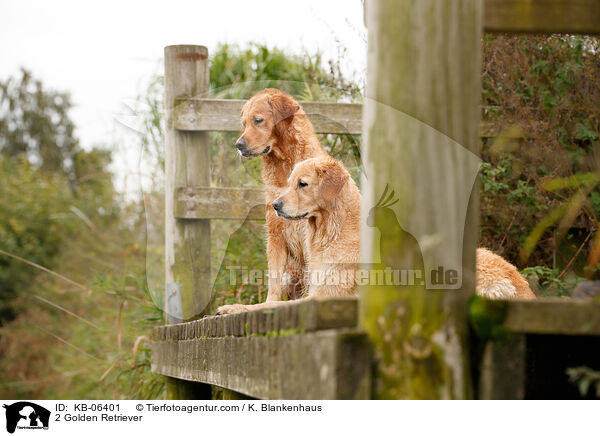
[[542, 16], [420, 140], [219, 203], [330, 364], [200, 114], [549, 316], [224, 115], [503, 369], [554, 316], [295, 317], [187, 158]]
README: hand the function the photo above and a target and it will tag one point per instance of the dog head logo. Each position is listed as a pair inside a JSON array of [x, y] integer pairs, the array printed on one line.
[[26, 415]]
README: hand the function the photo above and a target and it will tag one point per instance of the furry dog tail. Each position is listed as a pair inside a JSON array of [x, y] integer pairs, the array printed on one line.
[[499, 279]]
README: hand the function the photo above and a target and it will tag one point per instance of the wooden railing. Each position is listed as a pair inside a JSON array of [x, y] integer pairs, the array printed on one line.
[[307, 349], [330, 349]]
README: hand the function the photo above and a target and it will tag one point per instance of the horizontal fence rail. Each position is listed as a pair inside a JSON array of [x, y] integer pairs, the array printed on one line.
[[201, 114], [206, 114], [542, 16], [324, 365], [219, 203], [548, 316]]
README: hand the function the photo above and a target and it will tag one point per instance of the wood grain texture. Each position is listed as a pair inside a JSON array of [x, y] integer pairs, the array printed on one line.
[[542, 16], [330, 364], [295, 317], [553, 317], [224, 115], [503, 368], [219, 203], [187, 157], [421, 131], [200, 114]]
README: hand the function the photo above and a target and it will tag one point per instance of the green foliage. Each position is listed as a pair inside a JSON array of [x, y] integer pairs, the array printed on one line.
[[585, 378], [35, 122], [491, 177], [50, 185], [539, 194], [551, 280], [487, 317], [32, 207], [75, 330], [237, 72]]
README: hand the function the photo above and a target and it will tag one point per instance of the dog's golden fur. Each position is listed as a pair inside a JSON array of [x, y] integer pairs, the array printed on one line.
[[321, 191], [322, 195], [276, 128], [283, 137], [499, 279]]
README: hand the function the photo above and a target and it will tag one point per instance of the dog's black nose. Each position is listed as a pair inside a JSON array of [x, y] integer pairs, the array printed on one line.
[[277, 204], [241, 144]]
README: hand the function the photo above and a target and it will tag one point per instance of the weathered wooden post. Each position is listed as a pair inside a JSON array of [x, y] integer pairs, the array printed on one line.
[[420, 135], [187, 242], [187, 159]]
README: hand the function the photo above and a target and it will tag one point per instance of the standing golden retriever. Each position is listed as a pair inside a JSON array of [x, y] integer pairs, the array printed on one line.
[[277, 129], [321, 194]]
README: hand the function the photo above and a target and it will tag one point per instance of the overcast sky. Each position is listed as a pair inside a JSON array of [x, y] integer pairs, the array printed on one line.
[[103, 52]]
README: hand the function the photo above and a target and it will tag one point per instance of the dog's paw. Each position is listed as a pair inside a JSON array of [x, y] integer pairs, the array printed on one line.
[[231, 308]]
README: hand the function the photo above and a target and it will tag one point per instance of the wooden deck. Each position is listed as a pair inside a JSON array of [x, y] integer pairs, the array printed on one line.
[[314, 349], [304, 350]]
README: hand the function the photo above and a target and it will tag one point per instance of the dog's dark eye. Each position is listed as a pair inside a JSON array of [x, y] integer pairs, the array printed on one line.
[[302, 184], [258, 121]]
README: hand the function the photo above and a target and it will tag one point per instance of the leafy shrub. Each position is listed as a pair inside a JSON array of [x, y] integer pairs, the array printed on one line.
[[540, 193]]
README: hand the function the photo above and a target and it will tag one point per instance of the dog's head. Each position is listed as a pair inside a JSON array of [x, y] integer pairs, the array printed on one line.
[[266, 117], [313, 185]]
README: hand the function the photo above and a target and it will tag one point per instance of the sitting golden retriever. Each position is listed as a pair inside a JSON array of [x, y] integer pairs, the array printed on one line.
[[321, 193], [276, 129]]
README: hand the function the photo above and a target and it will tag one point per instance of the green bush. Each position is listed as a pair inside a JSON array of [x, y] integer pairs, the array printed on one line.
[[539, 197]]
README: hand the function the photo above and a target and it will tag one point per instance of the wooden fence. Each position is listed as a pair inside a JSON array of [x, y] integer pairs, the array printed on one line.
[[417, 344]]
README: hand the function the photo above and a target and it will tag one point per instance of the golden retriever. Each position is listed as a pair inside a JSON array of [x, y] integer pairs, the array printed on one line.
[[276, 128], [321, 194]]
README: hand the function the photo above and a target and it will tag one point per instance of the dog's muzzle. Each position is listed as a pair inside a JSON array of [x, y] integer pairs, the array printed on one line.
[[278, 206], [242, 147]]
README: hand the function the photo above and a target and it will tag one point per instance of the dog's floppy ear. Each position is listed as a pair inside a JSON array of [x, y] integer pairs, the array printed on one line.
[[284, 107], [332, 178]]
